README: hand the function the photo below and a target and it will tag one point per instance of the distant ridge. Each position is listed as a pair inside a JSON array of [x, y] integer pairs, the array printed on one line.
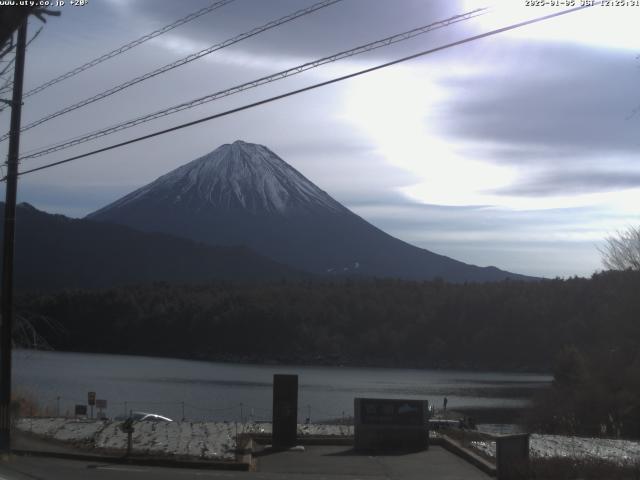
[[54, 251], [244, 194]]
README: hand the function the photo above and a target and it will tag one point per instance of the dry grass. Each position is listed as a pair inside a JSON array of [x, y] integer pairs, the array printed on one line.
[[24, 404]]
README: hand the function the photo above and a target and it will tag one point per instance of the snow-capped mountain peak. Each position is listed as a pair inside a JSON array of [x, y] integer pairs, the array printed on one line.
[[238, 176]]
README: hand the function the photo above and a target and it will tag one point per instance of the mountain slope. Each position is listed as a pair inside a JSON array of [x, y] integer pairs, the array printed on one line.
[[54, 251], [244, 194]]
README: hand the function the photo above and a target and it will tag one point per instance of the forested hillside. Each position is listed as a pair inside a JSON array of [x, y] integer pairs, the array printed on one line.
[[506, 325]]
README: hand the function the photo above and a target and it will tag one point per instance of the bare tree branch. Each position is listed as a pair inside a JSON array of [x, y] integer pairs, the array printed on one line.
[[622, 251]]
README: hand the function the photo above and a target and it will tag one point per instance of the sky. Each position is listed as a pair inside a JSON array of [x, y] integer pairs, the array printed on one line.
[[518, 150]]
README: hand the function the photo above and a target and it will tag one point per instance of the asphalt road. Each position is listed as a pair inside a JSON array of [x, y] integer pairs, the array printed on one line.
[[340, 462], [41, 468], [315, 463]]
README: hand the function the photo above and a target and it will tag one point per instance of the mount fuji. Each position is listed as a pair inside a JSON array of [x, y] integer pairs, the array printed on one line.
[[244, 194]]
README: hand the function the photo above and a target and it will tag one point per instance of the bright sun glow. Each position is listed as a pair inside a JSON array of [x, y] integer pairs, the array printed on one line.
[[395, 108], [598, 26]]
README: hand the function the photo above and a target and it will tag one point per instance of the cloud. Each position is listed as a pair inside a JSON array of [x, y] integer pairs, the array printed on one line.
[[553, 183], [534, 125], [334, 28], [547, 98]]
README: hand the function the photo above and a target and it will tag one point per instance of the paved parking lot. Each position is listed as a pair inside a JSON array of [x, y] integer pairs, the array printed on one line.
[[335, 462]]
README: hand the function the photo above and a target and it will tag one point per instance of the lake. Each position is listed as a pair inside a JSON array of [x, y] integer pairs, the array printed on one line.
[[198, 390]]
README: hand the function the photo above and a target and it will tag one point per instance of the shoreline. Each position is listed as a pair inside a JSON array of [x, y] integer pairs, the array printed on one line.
[[302, 362]]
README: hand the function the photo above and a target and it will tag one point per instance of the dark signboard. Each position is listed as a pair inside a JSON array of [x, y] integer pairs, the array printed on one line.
[[91, 398], [512, 457], [385, 424], [392, 412], [101, 404], [81, 410], [285, 410]]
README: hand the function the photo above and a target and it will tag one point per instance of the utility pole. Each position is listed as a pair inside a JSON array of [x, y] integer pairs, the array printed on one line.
[[8, 246]]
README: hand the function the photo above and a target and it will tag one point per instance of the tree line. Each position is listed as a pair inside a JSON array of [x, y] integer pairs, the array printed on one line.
[[506, 325]]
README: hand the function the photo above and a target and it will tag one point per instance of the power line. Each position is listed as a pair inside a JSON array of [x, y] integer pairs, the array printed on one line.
[[128, 46], [8, 66], [310, 87], [255, 83], [8, 85], [179, 63]]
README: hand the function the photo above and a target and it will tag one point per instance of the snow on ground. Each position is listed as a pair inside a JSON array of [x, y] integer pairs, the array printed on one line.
[[206, 440], [217, 440], [547, 446], [63, 429], [330, 430]]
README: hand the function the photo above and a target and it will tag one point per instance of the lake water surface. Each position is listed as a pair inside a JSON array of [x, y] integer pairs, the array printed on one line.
[[228, 391]]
